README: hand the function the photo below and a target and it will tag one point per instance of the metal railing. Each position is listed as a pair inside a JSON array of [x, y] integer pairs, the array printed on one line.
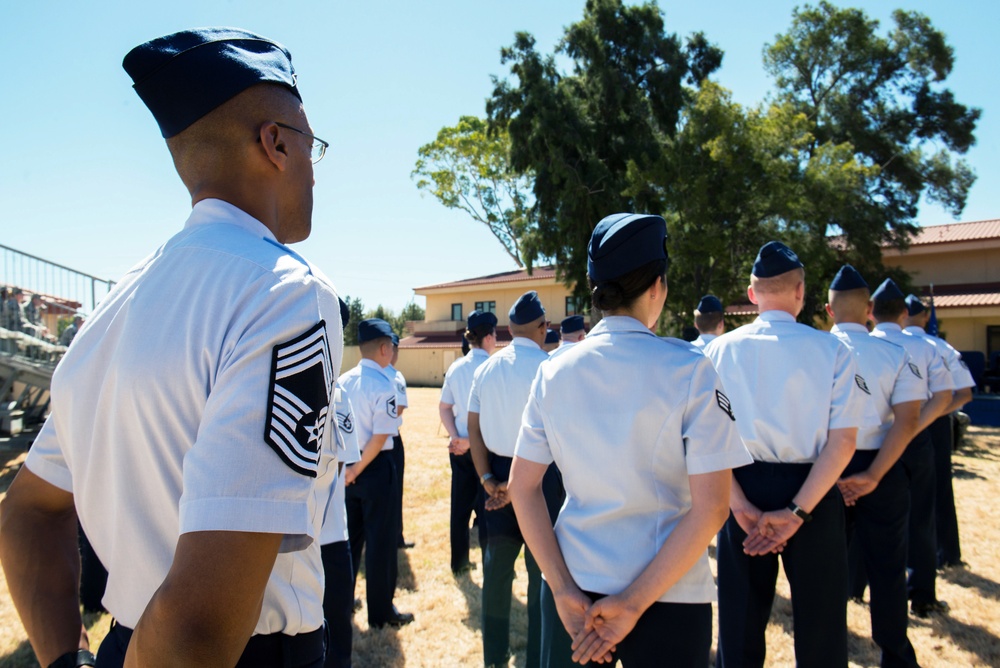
[[35, 274]]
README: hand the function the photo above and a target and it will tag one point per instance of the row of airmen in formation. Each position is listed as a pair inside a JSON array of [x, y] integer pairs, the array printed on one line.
[[206, 466]]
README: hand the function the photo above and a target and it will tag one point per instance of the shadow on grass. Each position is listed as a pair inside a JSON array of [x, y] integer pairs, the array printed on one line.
[[963, 577], [972, 638]]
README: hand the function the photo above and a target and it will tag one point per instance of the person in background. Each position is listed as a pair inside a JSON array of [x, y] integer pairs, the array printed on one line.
[[551, 340], [466, 492], [949, 548], [71, 331], [709, 320], [398, 456]]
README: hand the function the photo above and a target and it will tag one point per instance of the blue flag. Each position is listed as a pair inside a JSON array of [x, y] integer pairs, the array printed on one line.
[[932, 323]]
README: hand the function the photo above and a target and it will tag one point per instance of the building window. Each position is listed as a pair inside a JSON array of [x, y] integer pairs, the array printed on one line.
[[573, 309], [992, 341], [486, 307], [456, 312]]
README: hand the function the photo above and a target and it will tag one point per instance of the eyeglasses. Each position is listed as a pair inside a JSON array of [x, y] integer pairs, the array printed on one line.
[[318, 149]]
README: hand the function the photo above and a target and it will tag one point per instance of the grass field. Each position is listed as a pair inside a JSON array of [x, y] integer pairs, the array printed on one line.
[[446, 631]]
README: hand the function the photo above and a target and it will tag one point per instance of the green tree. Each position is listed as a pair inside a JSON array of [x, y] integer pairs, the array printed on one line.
[[357, 310], [880, 98], [467, 168], [577, 132]]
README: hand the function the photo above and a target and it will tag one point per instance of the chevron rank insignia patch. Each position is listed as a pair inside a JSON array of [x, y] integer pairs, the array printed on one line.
[[914, 369], [345, 421], [725, 405], [390, 407], [861, 383], [299, 399]]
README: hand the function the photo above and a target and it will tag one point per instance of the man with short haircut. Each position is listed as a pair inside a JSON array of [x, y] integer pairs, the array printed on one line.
[[499, 393], [888, 311], [190, 445], [874, 485], [949, 549], [371, 482], [708, 320], [572, 330], [551, 341], [71, 331], [798, 405], [466, 492]]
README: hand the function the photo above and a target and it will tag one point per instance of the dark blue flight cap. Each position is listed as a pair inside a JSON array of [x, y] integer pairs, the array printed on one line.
[[527, 308], [709, 304], [183, 76], [574, 323], [345, 313], [373, 328], [888, 291], [395, 339], [914, 306], [478, 318], [551, 336], [774, 259], [623, 242], [848, 278]]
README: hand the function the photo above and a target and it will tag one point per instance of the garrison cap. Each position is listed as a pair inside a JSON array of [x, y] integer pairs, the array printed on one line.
[[709, 304], [345, 313], [479, 318], [888, 291], [526, 309], [914, 306], [848, 278], [183, 76], [551, 336], [574, 323], [395, 339], [623, 242], [775, 258], [373, 328]]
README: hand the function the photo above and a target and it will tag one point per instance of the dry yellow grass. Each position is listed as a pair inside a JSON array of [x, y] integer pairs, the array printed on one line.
[[446, 631]]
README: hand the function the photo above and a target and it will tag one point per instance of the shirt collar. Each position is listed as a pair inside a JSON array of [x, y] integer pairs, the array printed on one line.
[[371, 364], [914, 329], [776, 316], [523, 342], [477, 352], [888, 327], [619, 323], [849, 327], [209, 211]]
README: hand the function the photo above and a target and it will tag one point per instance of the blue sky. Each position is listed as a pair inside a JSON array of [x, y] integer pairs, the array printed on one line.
[[87, 181]]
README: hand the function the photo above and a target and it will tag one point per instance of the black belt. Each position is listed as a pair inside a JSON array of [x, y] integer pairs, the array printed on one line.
[[267, 651]]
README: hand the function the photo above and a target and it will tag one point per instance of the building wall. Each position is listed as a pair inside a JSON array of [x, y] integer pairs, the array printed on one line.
[[972, 265], [965, 329], [552, 294], [422, 367]]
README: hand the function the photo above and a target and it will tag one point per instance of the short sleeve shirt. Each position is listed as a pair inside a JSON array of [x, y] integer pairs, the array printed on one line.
[[924, 357], [197, 399], [627, 417], [331, 487], [790, 385], [458, 383], [889, 378], [373, 399], [703, 340], [959, 370], [500, 390]]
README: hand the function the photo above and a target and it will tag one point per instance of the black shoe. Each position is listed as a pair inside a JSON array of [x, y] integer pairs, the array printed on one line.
[[949, 565], [397, 620], [357, 604], [462, 570], [403, 545], [857, 599], [925, 610]]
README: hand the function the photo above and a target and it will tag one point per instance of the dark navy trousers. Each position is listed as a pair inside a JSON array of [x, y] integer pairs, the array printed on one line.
[[877, 530], [399, 461], [338, 602], [949, 549], [466, 496], [678, 635], [372, 522], [918, 464], [815, 563]]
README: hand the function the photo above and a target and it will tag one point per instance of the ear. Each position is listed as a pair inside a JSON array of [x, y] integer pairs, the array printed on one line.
[[800, 290], [274, 145], [751, 295], [868, 312], [829, 311]]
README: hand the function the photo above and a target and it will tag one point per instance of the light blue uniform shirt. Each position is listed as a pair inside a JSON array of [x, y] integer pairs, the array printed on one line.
[[458, 383], [330, 485], [703, 340], [790, 385], [500, 390], [627, 417], [890, 379], [373, 399], [398, 383], [923, 356], [959, 370]]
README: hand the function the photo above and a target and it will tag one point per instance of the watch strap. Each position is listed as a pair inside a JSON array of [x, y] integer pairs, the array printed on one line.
[[799, 512], [80, 657]]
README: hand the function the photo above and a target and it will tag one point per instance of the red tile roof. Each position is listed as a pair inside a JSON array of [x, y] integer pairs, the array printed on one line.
[[538, 273], [968, 299], [954, 232]]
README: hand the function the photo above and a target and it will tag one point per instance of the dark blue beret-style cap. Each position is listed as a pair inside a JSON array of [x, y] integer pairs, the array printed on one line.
[[574, 323], [888, 291], [183, 76], [848, 278], [345, 313], [774, 259], [551, 336], [709, 304], [914, 306], [373, 328], [479, 318], [527, 308], [395, 339], [623, 242]]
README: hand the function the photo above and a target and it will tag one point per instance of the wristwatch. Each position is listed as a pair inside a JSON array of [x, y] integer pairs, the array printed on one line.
[[74, 659], [484, 477], [798, 512]]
